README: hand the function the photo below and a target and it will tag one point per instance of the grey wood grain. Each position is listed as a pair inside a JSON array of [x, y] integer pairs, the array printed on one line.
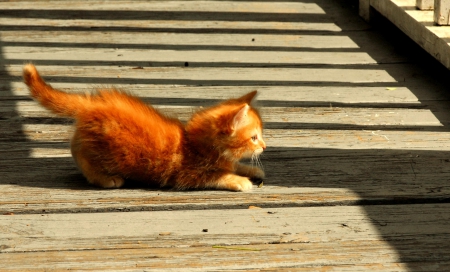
[[317, 237]]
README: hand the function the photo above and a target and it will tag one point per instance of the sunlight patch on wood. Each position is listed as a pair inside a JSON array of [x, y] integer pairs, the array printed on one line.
[[198, 6], [49, 153]]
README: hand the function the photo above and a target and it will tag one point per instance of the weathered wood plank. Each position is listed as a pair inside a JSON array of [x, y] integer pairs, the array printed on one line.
[[316, 115], [325, 236], [200, 6], [216, 75], [389, 97], [167, 26], [71, 194], [24, 54], [198, 16], [185, 42], [210, 259], [300, 135], [386, 76], [270, 222], [152, 40], [295, 177]]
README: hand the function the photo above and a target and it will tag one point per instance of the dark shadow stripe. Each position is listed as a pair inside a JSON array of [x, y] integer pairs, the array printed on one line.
[[9, 135], [204, 102], [149, 29], [149, 15], [335, 126], [231, 82], [181, 63], [196, 102], [182, 47]]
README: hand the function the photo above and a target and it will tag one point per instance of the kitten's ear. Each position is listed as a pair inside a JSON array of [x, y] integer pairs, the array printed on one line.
[[248, 97], [240, 118]]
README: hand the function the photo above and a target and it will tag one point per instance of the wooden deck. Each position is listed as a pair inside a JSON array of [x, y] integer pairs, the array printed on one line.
[[357, 125]]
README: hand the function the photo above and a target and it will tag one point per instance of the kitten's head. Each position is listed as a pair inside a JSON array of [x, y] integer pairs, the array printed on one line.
[[232, 128]]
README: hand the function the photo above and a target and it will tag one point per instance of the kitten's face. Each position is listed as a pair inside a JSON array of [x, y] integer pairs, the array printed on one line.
[[232, 128], [246, 140]]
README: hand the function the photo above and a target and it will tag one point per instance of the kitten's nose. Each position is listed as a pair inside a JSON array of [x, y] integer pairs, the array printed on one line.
[[264, 146]]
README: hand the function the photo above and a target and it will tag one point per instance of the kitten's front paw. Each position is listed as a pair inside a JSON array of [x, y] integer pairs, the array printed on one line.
[[244, 185], [254, 173], [108, 182], [235, 183]]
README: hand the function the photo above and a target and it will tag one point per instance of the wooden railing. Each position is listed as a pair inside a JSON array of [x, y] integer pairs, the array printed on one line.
[[441, 9], [425, 21], [425, 4]]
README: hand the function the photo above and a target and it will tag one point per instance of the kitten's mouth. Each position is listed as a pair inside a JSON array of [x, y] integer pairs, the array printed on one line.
[[252, 154], [258, 151]]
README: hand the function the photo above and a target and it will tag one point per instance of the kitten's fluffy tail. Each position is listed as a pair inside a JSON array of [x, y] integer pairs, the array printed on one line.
[[59, 102]]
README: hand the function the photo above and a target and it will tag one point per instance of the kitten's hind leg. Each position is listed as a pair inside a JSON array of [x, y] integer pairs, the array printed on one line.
[[94, 175]]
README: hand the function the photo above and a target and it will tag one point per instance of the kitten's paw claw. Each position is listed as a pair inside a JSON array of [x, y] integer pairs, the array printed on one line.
[[257, 180]]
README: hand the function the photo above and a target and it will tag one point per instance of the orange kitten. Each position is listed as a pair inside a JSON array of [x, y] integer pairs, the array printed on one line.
[[118, 138]]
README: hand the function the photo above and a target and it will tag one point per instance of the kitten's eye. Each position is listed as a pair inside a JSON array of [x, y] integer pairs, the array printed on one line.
[[254, 138]]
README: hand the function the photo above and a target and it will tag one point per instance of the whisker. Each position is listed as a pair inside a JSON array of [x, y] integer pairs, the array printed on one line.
[[252, 161], [260, 163], [256, 160]]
